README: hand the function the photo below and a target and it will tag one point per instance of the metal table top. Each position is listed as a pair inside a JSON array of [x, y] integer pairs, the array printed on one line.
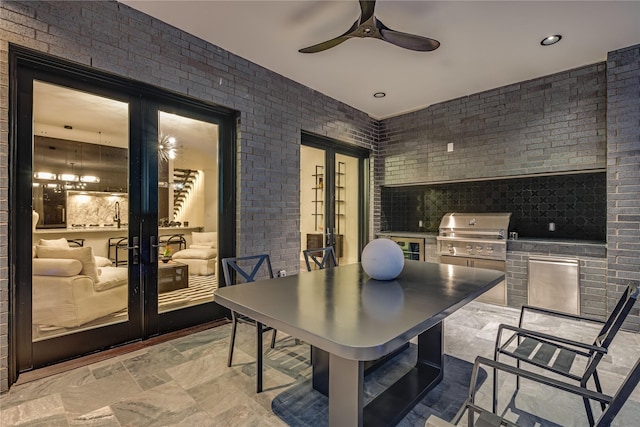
[[344, 312]]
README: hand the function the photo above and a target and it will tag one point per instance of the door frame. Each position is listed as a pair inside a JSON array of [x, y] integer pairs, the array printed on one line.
[[25, 65], [331, 148]]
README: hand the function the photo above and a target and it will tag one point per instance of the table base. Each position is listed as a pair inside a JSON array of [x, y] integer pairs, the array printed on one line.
[[388, 408]]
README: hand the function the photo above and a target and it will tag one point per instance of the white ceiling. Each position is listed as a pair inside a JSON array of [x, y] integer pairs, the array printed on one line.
[[484, 44]]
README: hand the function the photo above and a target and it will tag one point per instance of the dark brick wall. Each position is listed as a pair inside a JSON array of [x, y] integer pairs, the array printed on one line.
[[273, 111], [623, 174], [555, 123]]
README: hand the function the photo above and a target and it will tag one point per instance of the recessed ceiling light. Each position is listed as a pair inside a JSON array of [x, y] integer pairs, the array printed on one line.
[[379, 95], [548, 41]]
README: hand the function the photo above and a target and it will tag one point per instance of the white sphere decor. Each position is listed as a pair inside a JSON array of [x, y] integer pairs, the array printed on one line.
[[382, 259]]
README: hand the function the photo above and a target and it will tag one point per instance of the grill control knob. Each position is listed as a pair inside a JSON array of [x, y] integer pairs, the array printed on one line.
[[479, 248], [469, 248], [489, 248], [450, 247]]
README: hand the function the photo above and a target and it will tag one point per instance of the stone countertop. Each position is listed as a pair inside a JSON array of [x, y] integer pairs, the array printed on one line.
[[411, 234], [574, 247], [123, 229]]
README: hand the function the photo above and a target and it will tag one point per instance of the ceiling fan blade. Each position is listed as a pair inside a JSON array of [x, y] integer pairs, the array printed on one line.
[[324, 45], [331, 43], [405, 40], [366, 9]]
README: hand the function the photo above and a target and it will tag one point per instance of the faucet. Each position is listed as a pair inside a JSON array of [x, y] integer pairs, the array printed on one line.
[[116, 218]]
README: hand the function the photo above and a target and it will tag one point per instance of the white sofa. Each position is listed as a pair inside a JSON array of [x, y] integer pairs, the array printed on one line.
[[202, 254], [69, 289]]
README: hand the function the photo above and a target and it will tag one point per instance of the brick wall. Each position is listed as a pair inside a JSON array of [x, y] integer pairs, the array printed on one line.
[[273, 110], [592, 286], [551, 124], [623, 174]]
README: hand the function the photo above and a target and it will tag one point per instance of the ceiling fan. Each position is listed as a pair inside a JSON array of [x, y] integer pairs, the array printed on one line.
[[370, 26]]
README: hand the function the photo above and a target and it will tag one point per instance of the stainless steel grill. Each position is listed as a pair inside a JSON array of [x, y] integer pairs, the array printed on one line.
[[474, 235]]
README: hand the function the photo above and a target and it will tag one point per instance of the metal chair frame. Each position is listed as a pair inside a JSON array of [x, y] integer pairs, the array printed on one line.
[[322, 257], [538, 348], [612, 405], [230, 265]]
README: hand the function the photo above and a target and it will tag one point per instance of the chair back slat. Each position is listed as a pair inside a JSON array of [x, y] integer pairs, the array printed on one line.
[[248, 267], [322, 257], [618, 316]]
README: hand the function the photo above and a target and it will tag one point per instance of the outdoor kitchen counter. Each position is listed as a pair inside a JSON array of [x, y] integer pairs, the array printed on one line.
[[427, 236], [572, 247]]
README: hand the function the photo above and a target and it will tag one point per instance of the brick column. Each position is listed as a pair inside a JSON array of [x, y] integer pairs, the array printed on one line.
[[623, 175]]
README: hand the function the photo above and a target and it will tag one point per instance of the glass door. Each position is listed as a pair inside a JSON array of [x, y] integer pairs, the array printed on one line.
[[187, 237], [84, 267], [332, 198], [123, 201], [346, 224]]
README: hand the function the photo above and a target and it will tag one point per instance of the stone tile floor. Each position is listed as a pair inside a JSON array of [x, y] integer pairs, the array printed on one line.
[[185, 382]]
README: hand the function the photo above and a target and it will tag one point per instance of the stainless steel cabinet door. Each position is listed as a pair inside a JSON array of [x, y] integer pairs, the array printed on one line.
[[553, 284]]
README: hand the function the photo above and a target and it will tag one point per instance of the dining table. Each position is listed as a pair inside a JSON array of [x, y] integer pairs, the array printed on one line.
[[354, 323]]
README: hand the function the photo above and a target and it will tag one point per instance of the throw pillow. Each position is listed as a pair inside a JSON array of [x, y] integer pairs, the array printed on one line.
[[58, 243], [102, 261], [84, 255]]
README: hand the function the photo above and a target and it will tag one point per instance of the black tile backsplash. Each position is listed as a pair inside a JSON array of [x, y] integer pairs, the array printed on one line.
[[577, 204]]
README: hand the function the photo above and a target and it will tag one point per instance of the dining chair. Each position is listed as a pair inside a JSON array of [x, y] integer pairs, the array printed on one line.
[[321, 257], [557, 354], [247, 269], [477, 415]]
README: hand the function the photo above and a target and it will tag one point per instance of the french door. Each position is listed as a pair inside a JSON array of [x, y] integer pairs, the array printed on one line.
[[333, 197], [112, 184]]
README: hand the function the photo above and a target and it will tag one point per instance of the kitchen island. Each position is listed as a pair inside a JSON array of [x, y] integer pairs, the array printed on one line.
[[98, 237]]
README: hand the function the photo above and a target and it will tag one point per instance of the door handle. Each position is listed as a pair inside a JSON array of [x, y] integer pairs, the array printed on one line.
[[154, 249], [135, 248]]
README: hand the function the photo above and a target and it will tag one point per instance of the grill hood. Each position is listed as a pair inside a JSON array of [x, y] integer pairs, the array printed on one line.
[[475, 225]]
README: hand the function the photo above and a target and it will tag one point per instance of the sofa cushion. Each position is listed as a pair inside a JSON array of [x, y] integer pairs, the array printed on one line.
[[56, 267], [111, 277], [193, 253], [102, 261], [84, 255], [58, 243], [207, 239]]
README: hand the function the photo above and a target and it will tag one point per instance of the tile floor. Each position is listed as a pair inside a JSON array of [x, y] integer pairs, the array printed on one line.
[[185, 381]]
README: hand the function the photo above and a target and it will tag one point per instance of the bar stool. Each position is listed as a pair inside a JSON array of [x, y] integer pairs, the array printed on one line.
[[173, 239], [117, 243]]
